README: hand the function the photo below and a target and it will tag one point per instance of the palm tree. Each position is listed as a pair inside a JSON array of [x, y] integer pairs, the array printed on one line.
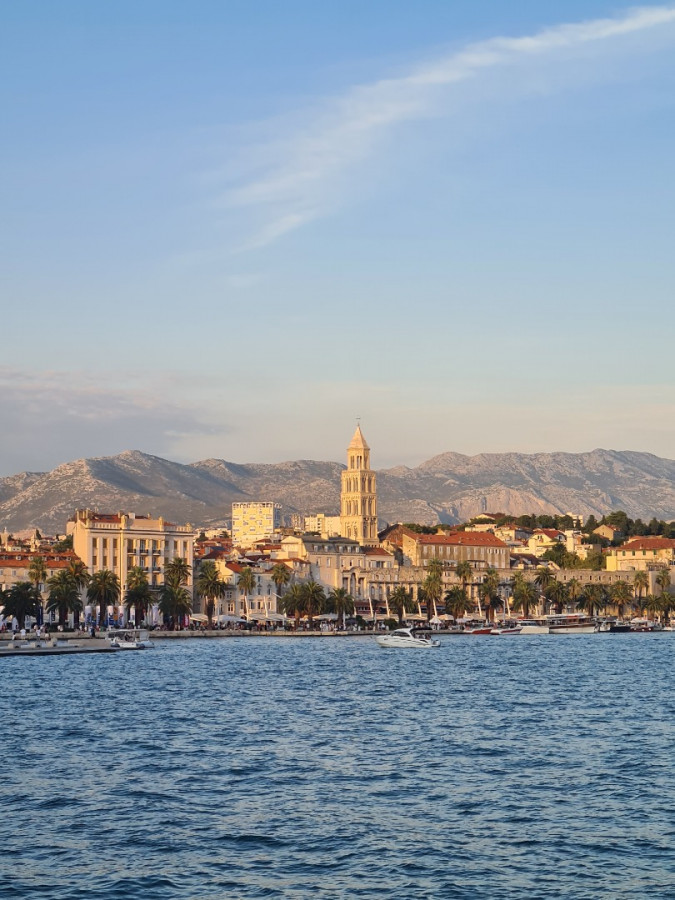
[[593, 599], [653, 604], [315, 599], [210, 586], [64, 596], [557, 594], [81, 577], [293, 603], [455, 602], [401, 602], [37, 575], [177, 572], [21, 600], [488, 591], [433, 585], [246, 583], [175, 602], [340, 602], [663, 581], [139, 594], [640, 584], [280, 575], [620, 594], [103, 591], [574, 590], [524, 594], [464, 572]]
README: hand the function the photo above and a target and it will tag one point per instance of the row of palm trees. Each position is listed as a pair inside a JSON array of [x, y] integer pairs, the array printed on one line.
[[65, 588]]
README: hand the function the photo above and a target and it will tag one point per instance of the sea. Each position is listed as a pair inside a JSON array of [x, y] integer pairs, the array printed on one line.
[[491, 767]]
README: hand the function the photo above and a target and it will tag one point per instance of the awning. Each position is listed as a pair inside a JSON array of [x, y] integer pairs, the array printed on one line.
[[199, 617], [231, 619]]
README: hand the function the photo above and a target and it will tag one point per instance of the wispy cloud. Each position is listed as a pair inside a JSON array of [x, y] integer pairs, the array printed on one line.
[[347, 130]]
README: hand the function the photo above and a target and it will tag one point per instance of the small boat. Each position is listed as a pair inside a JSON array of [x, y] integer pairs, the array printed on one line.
[[405, 637], [478, 629], [131, 640], [506, 629]]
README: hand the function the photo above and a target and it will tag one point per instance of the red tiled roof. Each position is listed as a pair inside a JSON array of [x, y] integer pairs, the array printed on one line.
[[462, 538], [376, 551], [649, 543], [550, 532]]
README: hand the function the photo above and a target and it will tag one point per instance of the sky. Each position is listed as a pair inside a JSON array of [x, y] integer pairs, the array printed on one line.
[[232, 227]]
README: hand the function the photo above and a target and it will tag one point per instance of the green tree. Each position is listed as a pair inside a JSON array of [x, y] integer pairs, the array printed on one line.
[[340, 602], [21, 600], [401, 602], [280, 575], [455, 602], [488, 591], [177, 572], [174, 602], [593, 599], [246, 584], [433, 585], [64, 596], [292, 603], [621, 595], [37, 575], [138, 594], [640, 587], [210, 587], [557, 594], [464, 572], [524, 594], [315, 599], [103, 591]]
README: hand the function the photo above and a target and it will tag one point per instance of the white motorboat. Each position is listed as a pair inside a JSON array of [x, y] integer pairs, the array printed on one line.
[[131, 640], [506, 629], [405, 637]]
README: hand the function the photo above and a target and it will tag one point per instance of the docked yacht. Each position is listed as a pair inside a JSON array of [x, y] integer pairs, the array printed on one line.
[[571, 624], [405, 637]]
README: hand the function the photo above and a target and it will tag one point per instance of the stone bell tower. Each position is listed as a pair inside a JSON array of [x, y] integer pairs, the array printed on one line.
[[358, 497]]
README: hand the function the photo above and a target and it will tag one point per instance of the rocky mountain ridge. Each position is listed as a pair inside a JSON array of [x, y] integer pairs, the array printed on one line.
[[450, 487]]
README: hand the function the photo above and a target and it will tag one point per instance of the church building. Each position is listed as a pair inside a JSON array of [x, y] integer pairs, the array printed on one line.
[[358, 497]]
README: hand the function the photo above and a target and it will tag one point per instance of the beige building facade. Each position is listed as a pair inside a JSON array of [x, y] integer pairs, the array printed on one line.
[[121, 541]]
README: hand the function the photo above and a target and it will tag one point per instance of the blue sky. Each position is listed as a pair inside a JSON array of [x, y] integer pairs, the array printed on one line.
[[230, 228]]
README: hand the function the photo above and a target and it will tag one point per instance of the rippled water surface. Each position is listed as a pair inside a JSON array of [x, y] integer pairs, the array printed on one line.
[[492, 767]]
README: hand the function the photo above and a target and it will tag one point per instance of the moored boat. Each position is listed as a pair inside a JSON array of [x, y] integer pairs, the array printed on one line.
[[406, 637], [573, 623]]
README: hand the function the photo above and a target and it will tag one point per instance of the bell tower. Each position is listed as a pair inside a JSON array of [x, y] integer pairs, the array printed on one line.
[[358, 494]]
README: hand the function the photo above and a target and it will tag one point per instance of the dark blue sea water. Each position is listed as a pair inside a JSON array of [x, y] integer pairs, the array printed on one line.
[[517, 767]]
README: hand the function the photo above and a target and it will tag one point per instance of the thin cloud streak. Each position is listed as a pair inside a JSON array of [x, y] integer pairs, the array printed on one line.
[[303, 188]]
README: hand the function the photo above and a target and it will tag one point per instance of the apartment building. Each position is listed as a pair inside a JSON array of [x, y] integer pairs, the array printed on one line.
[[254, 521], [121, 541]]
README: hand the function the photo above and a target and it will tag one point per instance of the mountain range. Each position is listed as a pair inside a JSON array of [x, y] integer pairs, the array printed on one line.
[[448, 488]]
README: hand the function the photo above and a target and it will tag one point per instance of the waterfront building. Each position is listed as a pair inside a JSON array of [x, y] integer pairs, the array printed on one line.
[[358, 494], [254, 521], [121, 541], [14, 565], [641, 553], [480, 549]]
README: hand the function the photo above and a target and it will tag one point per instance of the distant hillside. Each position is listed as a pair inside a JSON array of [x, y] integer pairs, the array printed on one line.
[[448, 488]]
